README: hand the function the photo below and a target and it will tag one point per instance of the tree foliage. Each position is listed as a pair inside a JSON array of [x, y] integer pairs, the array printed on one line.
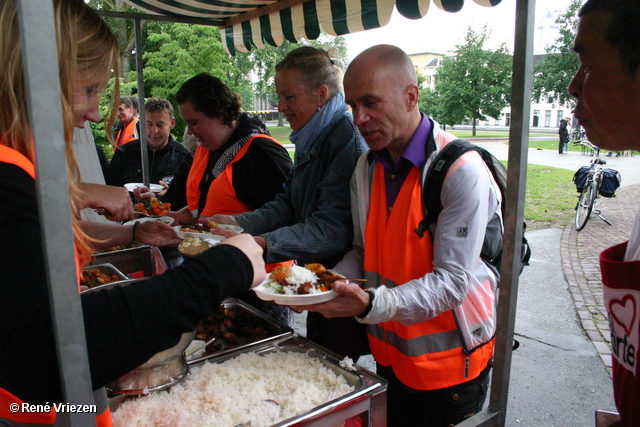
[[175, 52], [472, 84], [555, 71]]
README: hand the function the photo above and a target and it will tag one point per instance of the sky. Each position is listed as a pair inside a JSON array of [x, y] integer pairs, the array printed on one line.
[[439, 31]]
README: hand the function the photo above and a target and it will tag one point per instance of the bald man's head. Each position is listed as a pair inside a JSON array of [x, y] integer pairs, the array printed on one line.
[[381, 87], [386, 59]]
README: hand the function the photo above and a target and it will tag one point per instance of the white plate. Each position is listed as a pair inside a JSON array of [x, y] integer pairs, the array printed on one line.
[[156, 188], [166, 219], [231, 227], [211, 238], [293, 299]]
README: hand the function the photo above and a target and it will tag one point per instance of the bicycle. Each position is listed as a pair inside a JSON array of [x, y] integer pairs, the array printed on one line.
[[587, 199]]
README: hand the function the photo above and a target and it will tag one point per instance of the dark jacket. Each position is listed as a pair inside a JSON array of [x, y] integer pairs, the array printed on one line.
[[126, 164]]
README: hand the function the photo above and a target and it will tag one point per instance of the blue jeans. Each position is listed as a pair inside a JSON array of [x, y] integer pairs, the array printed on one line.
[[433, 408]]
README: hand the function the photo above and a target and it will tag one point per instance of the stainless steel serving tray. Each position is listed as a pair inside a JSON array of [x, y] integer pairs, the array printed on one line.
[[368, 396], [108, 269], [275, 328], [128, 260]]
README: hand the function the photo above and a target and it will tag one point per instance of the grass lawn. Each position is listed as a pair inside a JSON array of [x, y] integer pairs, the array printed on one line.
[[550, 197], [281, 133]]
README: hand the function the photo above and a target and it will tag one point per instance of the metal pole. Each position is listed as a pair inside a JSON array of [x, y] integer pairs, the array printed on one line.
[[144, 153], [37, 28], [495, 414], [516, 188]]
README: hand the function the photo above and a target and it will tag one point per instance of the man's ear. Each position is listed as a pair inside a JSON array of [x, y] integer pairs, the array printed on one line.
[[412, 95], [173, 123]]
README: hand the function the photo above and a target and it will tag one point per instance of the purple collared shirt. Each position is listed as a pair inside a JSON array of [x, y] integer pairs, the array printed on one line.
[[414, 155]]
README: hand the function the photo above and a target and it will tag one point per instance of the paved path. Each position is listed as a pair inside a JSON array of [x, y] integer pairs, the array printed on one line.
[[580, 251]]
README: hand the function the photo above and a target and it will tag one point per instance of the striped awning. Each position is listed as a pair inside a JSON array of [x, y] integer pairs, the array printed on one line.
[[245, 24]]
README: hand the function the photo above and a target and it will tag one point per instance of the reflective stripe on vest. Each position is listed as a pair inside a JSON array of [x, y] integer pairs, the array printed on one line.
[[23, 418], [427, 355]]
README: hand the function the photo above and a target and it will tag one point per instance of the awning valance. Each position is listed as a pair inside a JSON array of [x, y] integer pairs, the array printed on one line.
[[245, 24]]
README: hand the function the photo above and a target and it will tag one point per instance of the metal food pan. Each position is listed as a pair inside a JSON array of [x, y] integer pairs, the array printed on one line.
[[368, 399], [128, 260], [108, 269], [249, 316]]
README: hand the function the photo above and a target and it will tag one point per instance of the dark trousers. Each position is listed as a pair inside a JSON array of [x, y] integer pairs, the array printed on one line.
[[433, 408]]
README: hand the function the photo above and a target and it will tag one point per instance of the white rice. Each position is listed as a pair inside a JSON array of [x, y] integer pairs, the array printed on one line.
[[236, 391], [299, 275]]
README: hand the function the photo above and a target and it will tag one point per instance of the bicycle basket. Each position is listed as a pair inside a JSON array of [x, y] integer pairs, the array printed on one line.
[[580, 177], [610, 182]]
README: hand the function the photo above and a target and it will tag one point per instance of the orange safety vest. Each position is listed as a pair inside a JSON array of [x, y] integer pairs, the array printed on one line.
[[8, 400], [127, 133], [428, 355], [221, 198]]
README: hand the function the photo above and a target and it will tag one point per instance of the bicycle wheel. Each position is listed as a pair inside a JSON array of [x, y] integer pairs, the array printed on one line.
[[585, 205]]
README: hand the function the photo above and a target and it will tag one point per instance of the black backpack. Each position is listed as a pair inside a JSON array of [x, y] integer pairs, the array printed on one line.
[[491, 252]]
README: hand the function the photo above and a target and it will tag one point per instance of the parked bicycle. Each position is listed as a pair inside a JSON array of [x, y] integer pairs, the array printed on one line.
[[590, 184]]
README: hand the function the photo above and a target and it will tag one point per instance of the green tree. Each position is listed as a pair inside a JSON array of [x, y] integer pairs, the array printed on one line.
[[124, 31], [474, 83], [555, 71]]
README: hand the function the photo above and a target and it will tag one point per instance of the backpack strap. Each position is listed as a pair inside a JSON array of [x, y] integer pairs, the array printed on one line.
[[434, 179]]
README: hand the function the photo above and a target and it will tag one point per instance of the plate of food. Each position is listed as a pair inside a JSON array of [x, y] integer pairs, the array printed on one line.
[[153, 208], [183, 232], [156, 188], [231, 227], [298, 285], [166, 219], [192, 246]]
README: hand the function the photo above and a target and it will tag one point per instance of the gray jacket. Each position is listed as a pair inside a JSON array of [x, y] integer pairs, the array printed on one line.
[[311, 220]]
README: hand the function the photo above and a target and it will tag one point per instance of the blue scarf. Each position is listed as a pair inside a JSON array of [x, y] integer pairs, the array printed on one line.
[[305, 137]]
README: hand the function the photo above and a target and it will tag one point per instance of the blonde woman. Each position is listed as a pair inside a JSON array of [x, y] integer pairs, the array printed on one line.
[[126, 326]]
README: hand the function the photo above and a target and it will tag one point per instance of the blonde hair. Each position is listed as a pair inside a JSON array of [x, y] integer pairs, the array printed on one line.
[[317, 67], [86, 48]]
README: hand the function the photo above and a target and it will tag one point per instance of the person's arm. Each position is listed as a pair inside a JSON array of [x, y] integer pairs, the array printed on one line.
[[177, 192], [154, 233], [115, 200], [325, 232], [124, 327], [259, 175]]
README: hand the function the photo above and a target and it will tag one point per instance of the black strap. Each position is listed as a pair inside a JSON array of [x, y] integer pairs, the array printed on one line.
[[434, 179]]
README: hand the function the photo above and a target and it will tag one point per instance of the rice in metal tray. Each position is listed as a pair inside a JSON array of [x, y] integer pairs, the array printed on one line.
[[239, 390]]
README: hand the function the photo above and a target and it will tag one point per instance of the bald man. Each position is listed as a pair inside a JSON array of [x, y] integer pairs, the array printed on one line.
[[430, 302]]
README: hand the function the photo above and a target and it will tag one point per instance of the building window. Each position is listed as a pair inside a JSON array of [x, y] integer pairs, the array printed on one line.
[[559, 117], [547, 118], [536, 118]]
